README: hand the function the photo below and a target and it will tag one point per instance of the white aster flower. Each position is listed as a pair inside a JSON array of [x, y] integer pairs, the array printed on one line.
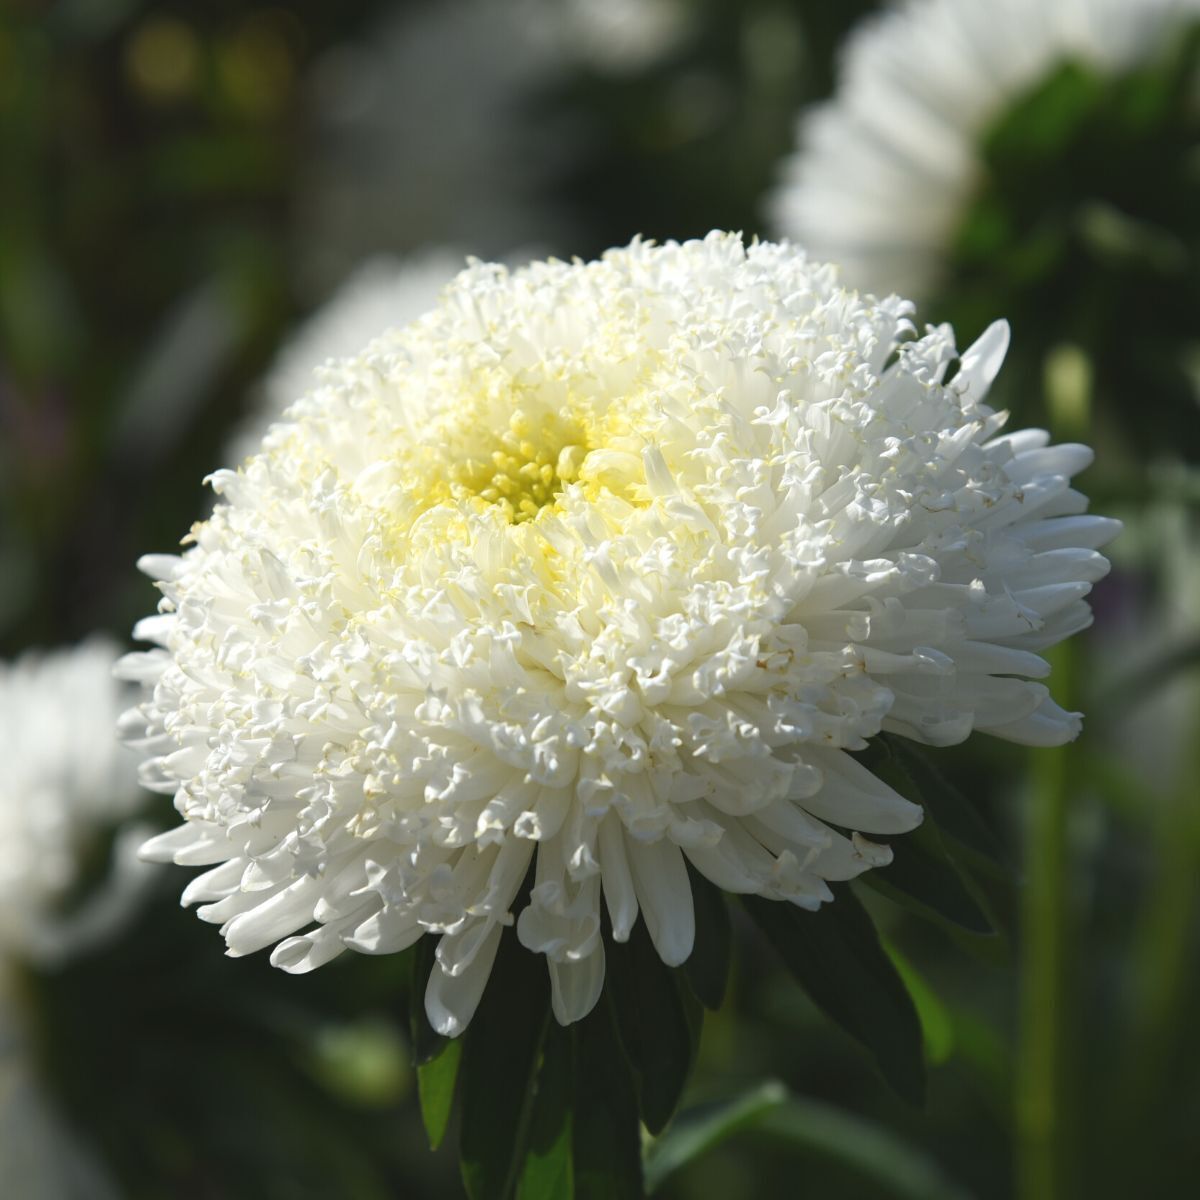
[[63, 776], [886, 169], [383, 292], [605, 568]]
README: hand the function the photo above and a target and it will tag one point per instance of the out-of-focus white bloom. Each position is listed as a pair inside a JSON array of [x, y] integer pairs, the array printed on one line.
[[615, 36], [381, 293], [63, 776], [602, 568], [1160, 563], [886, 169], [426, 130]]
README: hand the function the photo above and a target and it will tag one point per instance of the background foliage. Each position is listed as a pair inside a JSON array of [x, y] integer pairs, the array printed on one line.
[[180, 183]]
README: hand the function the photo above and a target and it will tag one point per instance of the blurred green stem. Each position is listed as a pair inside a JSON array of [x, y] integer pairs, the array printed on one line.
[[1045, 940], [1165, 929], [1041, 1105]]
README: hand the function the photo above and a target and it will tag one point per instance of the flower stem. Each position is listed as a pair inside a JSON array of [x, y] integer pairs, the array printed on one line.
[[1045, 941], [1165, 930], [1041, 1107]]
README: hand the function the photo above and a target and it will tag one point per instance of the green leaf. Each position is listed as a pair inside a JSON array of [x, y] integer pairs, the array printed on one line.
[[426, 1043], [699, 1129], [435, 1088], [1117, 238], [871, 1151], [707, 969], [835, 955], [953, 851], [548, 1173], [653, 1024], [501, 1050], [937, 1025], [363, 1061], [913, 775], [811, 1128], [923, 876], [693, 1013], [606, 1145], [1039, 126]]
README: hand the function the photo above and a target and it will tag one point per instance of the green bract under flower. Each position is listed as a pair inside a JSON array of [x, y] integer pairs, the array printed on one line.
[[599, 569]]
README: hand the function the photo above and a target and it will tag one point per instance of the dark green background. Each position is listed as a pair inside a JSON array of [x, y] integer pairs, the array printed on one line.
[[178, 186]]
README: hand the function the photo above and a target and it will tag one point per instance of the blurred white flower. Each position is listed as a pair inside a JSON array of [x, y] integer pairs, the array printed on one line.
[[1147, 636], [601, 568], [614, 36], [427, 130], [885, 170], [63, 777], [381, 293]]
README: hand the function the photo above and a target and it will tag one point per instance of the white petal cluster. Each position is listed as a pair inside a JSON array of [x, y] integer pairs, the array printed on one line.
[[63, 775], [382, 292], [601, 569], [886, 169]]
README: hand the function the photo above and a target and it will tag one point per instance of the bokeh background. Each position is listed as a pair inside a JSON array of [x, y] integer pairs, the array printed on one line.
[[181, 185]]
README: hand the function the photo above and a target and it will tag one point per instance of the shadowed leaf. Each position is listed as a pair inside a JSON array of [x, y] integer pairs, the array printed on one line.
[[835, 955]]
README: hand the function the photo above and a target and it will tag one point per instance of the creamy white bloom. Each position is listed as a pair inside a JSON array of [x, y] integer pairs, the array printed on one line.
[[63, 776], [383, 292], [886, 169], [604, 568]]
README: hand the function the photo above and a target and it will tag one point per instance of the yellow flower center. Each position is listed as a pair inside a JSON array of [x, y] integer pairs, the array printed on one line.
[[511, 446], [529, 466]]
